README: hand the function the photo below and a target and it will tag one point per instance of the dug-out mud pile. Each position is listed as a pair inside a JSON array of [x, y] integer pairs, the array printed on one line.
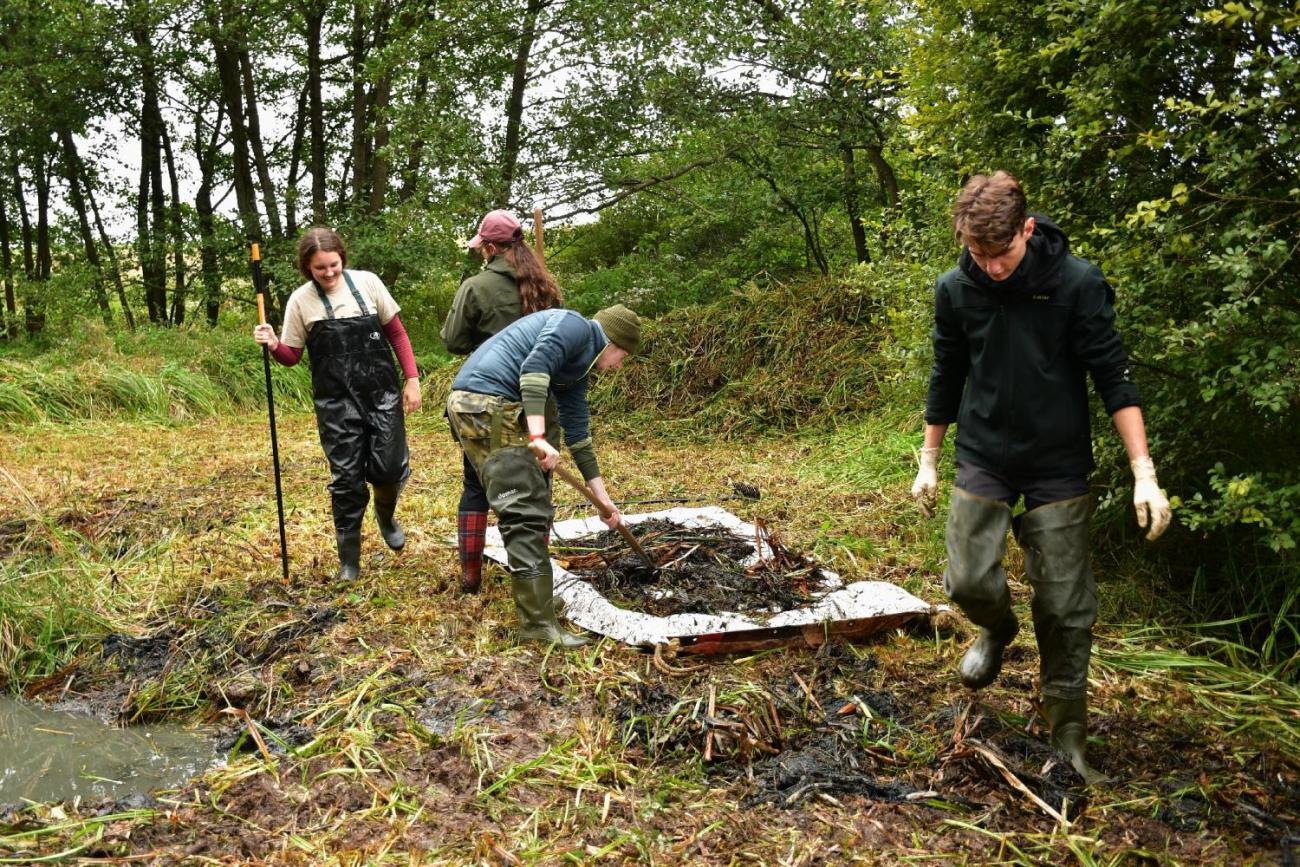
[[710, 583], [701, 570]]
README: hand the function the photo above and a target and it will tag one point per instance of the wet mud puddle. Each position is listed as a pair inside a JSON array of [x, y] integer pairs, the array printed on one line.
[[48, 755]]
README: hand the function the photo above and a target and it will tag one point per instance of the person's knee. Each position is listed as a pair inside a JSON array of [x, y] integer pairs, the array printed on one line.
[[473, 500]]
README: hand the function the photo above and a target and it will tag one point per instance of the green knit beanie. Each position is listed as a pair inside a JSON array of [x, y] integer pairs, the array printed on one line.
[[621, 326]]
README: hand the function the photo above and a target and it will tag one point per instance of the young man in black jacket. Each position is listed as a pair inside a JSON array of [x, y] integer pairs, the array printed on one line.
[[1019, 325]]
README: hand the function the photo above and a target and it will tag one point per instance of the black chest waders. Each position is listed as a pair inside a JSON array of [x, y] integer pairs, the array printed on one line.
[[360, 422]]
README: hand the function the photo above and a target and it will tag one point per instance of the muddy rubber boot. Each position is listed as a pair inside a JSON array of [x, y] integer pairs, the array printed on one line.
[[385, 505], [982, 662], [471, 536], [535, 604], [349, 557], [1068, 718], [976, 539], [1055, 541]]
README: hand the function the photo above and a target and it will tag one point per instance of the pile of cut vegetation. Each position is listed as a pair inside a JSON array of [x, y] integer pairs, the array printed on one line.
[[699, 570], [769, 357]]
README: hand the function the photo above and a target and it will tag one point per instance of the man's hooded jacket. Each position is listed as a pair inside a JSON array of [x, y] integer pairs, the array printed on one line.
[[1011, 360]]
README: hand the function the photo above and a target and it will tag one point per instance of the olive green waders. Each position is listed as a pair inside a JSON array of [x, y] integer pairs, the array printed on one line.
[[1055, 542], [976, 582], [1054, 538], [493, 434]]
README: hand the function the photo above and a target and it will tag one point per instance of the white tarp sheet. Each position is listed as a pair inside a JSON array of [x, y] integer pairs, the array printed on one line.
[[586, 607]]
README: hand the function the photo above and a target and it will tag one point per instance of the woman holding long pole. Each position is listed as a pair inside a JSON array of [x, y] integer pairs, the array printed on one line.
[[348, 323]]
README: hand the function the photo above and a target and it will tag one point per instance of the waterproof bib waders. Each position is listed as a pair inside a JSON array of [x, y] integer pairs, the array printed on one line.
[[359, 418], [493, 433]]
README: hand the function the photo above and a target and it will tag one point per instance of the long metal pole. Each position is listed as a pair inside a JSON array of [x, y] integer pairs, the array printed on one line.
[[260, 289]]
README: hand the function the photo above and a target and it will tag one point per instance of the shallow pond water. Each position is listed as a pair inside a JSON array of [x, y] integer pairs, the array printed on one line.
[[48, 755]]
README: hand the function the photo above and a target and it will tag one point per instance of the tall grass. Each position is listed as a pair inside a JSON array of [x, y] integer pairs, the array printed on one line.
[[154, 375], [785, 357], [47, 592]]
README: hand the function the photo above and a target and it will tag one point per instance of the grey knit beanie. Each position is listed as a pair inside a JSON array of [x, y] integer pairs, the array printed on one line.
[[621, 326]]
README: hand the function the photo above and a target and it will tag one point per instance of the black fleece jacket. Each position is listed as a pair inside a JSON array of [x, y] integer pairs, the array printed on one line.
[[1011, 360]]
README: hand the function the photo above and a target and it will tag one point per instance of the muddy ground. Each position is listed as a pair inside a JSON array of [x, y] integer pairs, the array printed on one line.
[[398, 722]]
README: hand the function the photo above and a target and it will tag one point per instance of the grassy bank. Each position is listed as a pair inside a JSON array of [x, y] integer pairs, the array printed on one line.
[[401, 724]]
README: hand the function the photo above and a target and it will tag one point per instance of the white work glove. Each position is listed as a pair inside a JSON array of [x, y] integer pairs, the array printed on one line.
[[925, 490], [1150, 502]]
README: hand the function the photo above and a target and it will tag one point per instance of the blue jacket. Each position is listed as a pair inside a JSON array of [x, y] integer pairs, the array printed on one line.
[[559, 343]]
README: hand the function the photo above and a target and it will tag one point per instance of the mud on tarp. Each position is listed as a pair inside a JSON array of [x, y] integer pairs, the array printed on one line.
[[836, 611]]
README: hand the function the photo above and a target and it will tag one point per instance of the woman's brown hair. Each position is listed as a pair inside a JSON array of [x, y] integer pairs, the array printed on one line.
[[315, 241], [537, 287]]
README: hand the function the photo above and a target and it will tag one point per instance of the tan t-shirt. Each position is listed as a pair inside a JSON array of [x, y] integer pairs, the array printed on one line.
[[305, 308]]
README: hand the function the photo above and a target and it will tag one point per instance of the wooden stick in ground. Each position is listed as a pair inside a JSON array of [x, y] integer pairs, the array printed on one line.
[[539, 245]]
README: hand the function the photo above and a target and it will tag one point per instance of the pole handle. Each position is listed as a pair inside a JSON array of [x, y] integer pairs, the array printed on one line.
[[581, 487], [261, 309]]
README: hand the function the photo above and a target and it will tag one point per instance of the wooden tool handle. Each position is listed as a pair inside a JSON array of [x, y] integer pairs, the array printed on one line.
[[581, 487], [261, 309]]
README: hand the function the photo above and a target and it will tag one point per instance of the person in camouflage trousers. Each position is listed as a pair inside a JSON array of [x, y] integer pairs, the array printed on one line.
[[497, 413]]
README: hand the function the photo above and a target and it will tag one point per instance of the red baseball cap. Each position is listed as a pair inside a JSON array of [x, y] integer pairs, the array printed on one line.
[[498, 227]]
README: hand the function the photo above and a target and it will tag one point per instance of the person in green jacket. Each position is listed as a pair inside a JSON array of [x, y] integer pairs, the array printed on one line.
[[1019, 326], [512, 284]]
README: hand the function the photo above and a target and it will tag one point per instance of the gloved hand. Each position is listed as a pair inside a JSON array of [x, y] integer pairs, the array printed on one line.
[[925, 490], [1151, 503]]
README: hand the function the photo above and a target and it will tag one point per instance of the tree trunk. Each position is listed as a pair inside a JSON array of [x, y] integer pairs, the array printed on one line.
[[811, 232], [112, 258], [343, 181], [73, 174], [360, 113], [210, 261], [153, 267], [410, 173], [315, 15], [379, 160], [178, 234], [34, 304], [295, 163], [885, 175], [851, 204], [255, 144], [25, 223], [515, 107], [10, 318], [142, 244], [232, 94]]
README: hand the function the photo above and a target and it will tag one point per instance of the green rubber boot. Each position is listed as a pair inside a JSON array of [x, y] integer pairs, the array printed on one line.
[[385, 505], [982, 663], [976, 538], [535, 603], [349, 556], [1068, 718]]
